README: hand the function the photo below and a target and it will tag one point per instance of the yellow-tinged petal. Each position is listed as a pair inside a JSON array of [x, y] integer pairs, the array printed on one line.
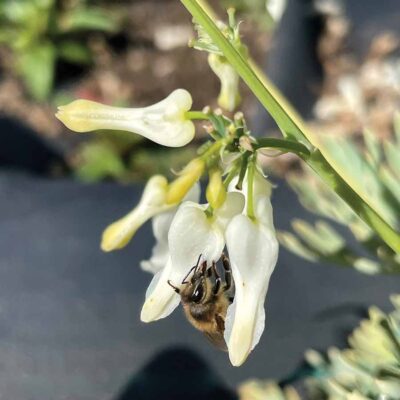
[[216, 192], [118, 234], [178, 189]]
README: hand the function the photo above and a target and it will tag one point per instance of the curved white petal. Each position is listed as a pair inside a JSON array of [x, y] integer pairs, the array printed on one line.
[[190, 235], [232, 206], [119, 233], [161, 300], [161, 225], [160, 253], [253, 252], [164, 123]]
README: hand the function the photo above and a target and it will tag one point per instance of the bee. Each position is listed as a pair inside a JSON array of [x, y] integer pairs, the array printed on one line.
[[205, 299]]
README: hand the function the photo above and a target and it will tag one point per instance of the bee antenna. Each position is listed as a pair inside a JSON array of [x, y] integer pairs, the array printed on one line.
[[173, 287]]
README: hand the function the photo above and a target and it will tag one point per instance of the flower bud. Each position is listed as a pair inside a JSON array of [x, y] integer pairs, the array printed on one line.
[[216, 192], [118, 234], [178, 189], [229, 97], [164, 123]]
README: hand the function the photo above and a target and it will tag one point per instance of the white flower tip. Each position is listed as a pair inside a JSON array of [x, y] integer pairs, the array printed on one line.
[[160, 306], [239, 346], [148, 313]]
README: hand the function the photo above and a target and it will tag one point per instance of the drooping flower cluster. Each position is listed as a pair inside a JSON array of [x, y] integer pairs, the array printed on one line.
[[237, 215]]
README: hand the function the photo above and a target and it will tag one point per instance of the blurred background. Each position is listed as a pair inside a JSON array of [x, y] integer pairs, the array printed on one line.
[[69, 314]]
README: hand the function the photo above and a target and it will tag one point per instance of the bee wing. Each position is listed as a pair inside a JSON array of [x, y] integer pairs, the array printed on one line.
[[217, 339]]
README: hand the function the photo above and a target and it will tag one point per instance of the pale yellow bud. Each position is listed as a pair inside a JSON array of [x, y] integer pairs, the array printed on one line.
[[216, 192], [229, 97], [119, 233], [178, 189]]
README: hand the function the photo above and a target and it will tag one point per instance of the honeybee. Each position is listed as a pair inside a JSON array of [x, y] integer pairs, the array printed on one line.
[[205, 299]]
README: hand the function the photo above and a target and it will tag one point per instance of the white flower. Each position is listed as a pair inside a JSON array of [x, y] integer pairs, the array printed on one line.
[[153, 201], [161, 224], [253, 252], [192, 233], [164, 123]]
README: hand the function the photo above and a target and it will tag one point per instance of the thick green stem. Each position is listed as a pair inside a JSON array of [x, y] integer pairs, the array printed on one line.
[[291, 124]]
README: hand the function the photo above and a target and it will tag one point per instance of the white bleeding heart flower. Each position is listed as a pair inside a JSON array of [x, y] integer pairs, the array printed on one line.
[[253, 253], [192, 233], [161, 224], [153, 201], [164, 123]]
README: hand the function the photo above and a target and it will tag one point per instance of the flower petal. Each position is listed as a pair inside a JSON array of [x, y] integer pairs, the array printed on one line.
[[232, 206], [164, 123], [253, 252], [161, 225], [190, 235], [160, 253], [161, 300], [118, 234]]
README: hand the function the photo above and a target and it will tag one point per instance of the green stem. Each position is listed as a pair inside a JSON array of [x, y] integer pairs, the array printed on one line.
[[243, 169], [291, 127], [250, 187], [291, 124], [196, 115], [231, 174], [282, 144]]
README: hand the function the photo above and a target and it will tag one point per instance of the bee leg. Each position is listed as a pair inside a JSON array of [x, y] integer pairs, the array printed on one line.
[[217, 283], [176, 290], [203, 268], [227, 272], [184, 281]]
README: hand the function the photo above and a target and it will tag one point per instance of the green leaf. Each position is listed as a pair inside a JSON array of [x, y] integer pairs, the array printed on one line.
[[392, 183], [293, 244], [99, 161], [392, 154], [92, 19], [74, 52], [348, 162], [321, 238], [36, 66], [374, 150]]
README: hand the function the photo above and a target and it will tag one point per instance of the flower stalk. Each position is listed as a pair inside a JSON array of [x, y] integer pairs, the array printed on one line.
[[292, 126]]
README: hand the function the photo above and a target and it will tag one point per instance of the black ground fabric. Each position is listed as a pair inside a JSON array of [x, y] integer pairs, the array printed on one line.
[[70, 314]]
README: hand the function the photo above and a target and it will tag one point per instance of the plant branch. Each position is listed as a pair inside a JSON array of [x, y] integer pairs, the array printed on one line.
[[291, 124]]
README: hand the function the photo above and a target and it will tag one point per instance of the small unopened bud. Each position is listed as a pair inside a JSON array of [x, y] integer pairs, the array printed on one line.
[[178, 189], [245, 143], [229, 97], [216, 192]]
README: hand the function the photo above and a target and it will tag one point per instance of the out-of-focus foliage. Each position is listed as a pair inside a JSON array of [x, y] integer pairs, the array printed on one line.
[[125, 157], [265, 12], [377, 172], [39, 32], [369, 369], [266, 390]]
